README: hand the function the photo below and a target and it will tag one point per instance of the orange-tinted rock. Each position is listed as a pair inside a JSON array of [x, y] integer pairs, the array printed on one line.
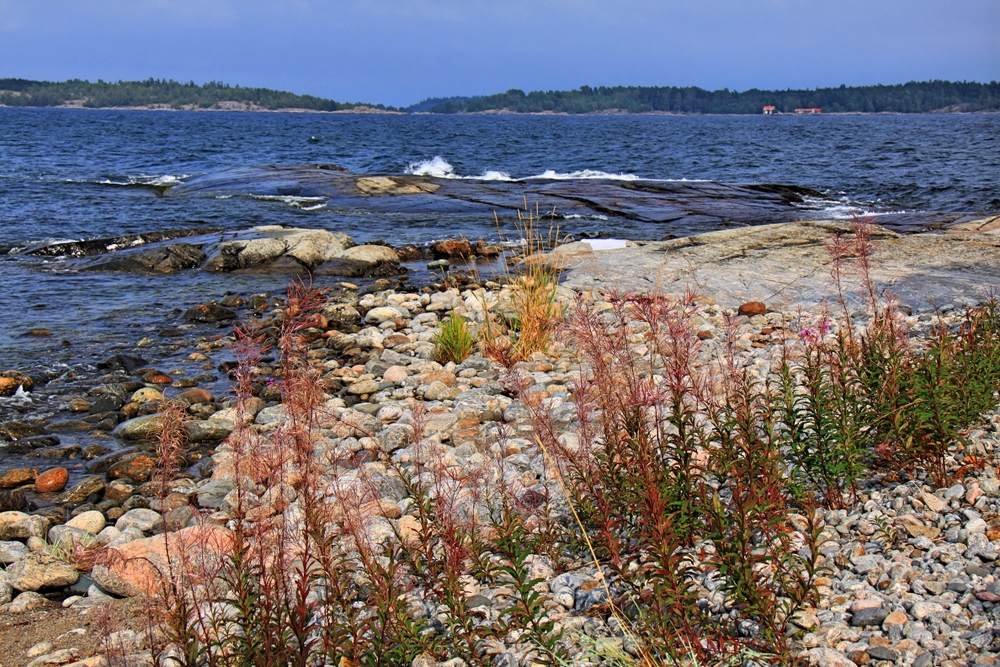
[[452, 248], [17, 477], [52, 480], [193, 396], [439, 376], [158, 378], [752, 308], [141, 566], [138, 467], [11, 380], [705, 335]]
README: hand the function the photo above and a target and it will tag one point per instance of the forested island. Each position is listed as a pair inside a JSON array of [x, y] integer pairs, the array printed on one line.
[[913, 97], [161, 93]]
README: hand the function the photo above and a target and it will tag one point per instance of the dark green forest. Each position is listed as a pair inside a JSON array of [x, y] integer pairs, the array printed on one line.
[[25, 93], [913, 97]]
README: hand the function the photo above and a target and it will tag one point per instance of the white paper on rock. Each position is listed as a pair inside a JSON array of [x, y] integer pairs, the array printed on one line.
[[605, 244]]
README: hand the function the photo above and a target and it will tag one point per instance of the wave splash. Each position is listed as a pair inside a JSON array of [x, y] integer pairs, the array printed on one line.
[[844, 209], [165, 181], [438, 167]]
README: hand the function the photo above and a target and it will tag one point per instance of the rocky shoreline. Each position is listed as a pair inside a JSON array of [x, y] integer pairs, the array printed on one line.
[[911, 569]]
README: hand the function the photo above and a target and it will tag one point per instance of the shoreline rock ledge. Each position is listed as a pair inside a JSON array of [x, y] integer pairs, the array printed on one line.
[[788, 266], [268, 248]]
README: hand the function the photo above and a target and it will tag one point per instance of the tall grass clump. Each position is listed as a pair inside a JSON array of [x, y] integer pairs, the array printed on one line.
[[525, 322], [454, 342]]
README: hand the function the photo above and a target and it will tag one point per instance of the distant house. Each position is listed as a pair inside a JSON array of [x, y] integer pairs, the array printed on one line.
[[768, 110], [809, 110]]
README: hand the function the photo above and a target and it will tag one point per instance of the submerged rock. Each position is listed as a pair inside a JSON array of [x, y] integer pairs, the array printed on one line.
[[208, 312]]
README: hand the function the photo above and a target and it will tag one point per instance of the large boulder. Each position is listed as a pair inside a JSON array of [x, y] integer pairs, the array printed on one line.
[[141, 566], [278, 249], [41, 570], [362, 261]]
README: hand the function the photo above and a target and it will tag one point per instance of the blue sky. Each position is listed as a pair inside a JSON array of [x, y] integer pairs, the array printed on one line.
[[401, 51]]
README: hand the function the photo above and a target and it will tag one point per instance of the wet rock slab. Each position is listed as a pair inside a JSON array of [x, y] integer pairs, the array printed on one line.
[[788, 266]]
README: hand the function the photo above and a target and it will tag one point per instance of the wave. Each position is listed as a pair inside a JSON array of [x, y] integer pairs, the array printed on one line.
[[303, 203], [165, 181], [847, 212], [577, 216], [843, 209], [159, 182], [582, 175], [438, 167]]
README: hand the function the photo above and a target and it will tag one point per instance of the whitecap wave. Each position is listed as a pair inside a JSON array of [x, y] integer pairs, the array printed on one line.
[[303, 203], [584, 174], [578, 216], [165, 181], [847, 212], [842, 209], [438, 167]]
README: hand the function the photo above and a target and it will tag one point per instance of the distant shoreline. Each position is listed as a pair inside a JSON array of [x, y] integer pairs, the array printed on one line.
[[367, 110]]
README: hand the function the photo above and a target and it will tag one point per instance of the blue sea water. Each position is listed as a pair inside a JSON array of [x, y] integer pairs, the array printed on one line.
[[70, 174]]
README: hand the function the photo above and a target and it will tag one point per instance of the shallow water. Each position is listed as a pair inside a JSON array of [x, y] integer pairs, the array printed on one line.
[[74, 173]]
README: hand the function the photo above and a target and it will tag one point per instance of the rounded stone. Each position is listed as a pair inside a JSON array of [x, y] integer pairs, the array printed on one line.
[[12, 551], [28, 601], [52, 480], [869, 616], [146, 394], [146, 520], [140, 428], [394, 374], [194, 396], [138, 467], [93, 522], [752, 308], [363, 387], [381, 314], [208, 430]]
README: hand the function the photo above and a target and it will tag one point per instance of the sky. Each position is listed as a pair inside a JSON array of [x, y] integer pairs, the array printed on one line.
[[398, 52]]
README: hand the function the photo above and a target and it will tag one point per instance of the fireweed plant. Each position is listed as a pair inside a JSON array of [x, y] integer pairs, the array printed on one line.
[[690, 485]]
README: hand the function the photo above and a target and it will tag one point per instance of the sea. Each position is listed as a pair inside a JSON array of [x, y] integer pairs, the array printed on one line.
[[83, 174]]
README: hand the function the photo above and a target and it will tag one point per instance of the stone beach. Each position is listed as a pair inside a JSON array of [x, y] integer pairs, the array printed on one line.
[[912, 571]]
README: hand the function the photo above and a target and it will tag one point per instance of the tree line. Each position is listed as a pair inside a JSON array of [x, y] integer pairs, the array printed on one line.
[[26, 93], [913, 97]]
